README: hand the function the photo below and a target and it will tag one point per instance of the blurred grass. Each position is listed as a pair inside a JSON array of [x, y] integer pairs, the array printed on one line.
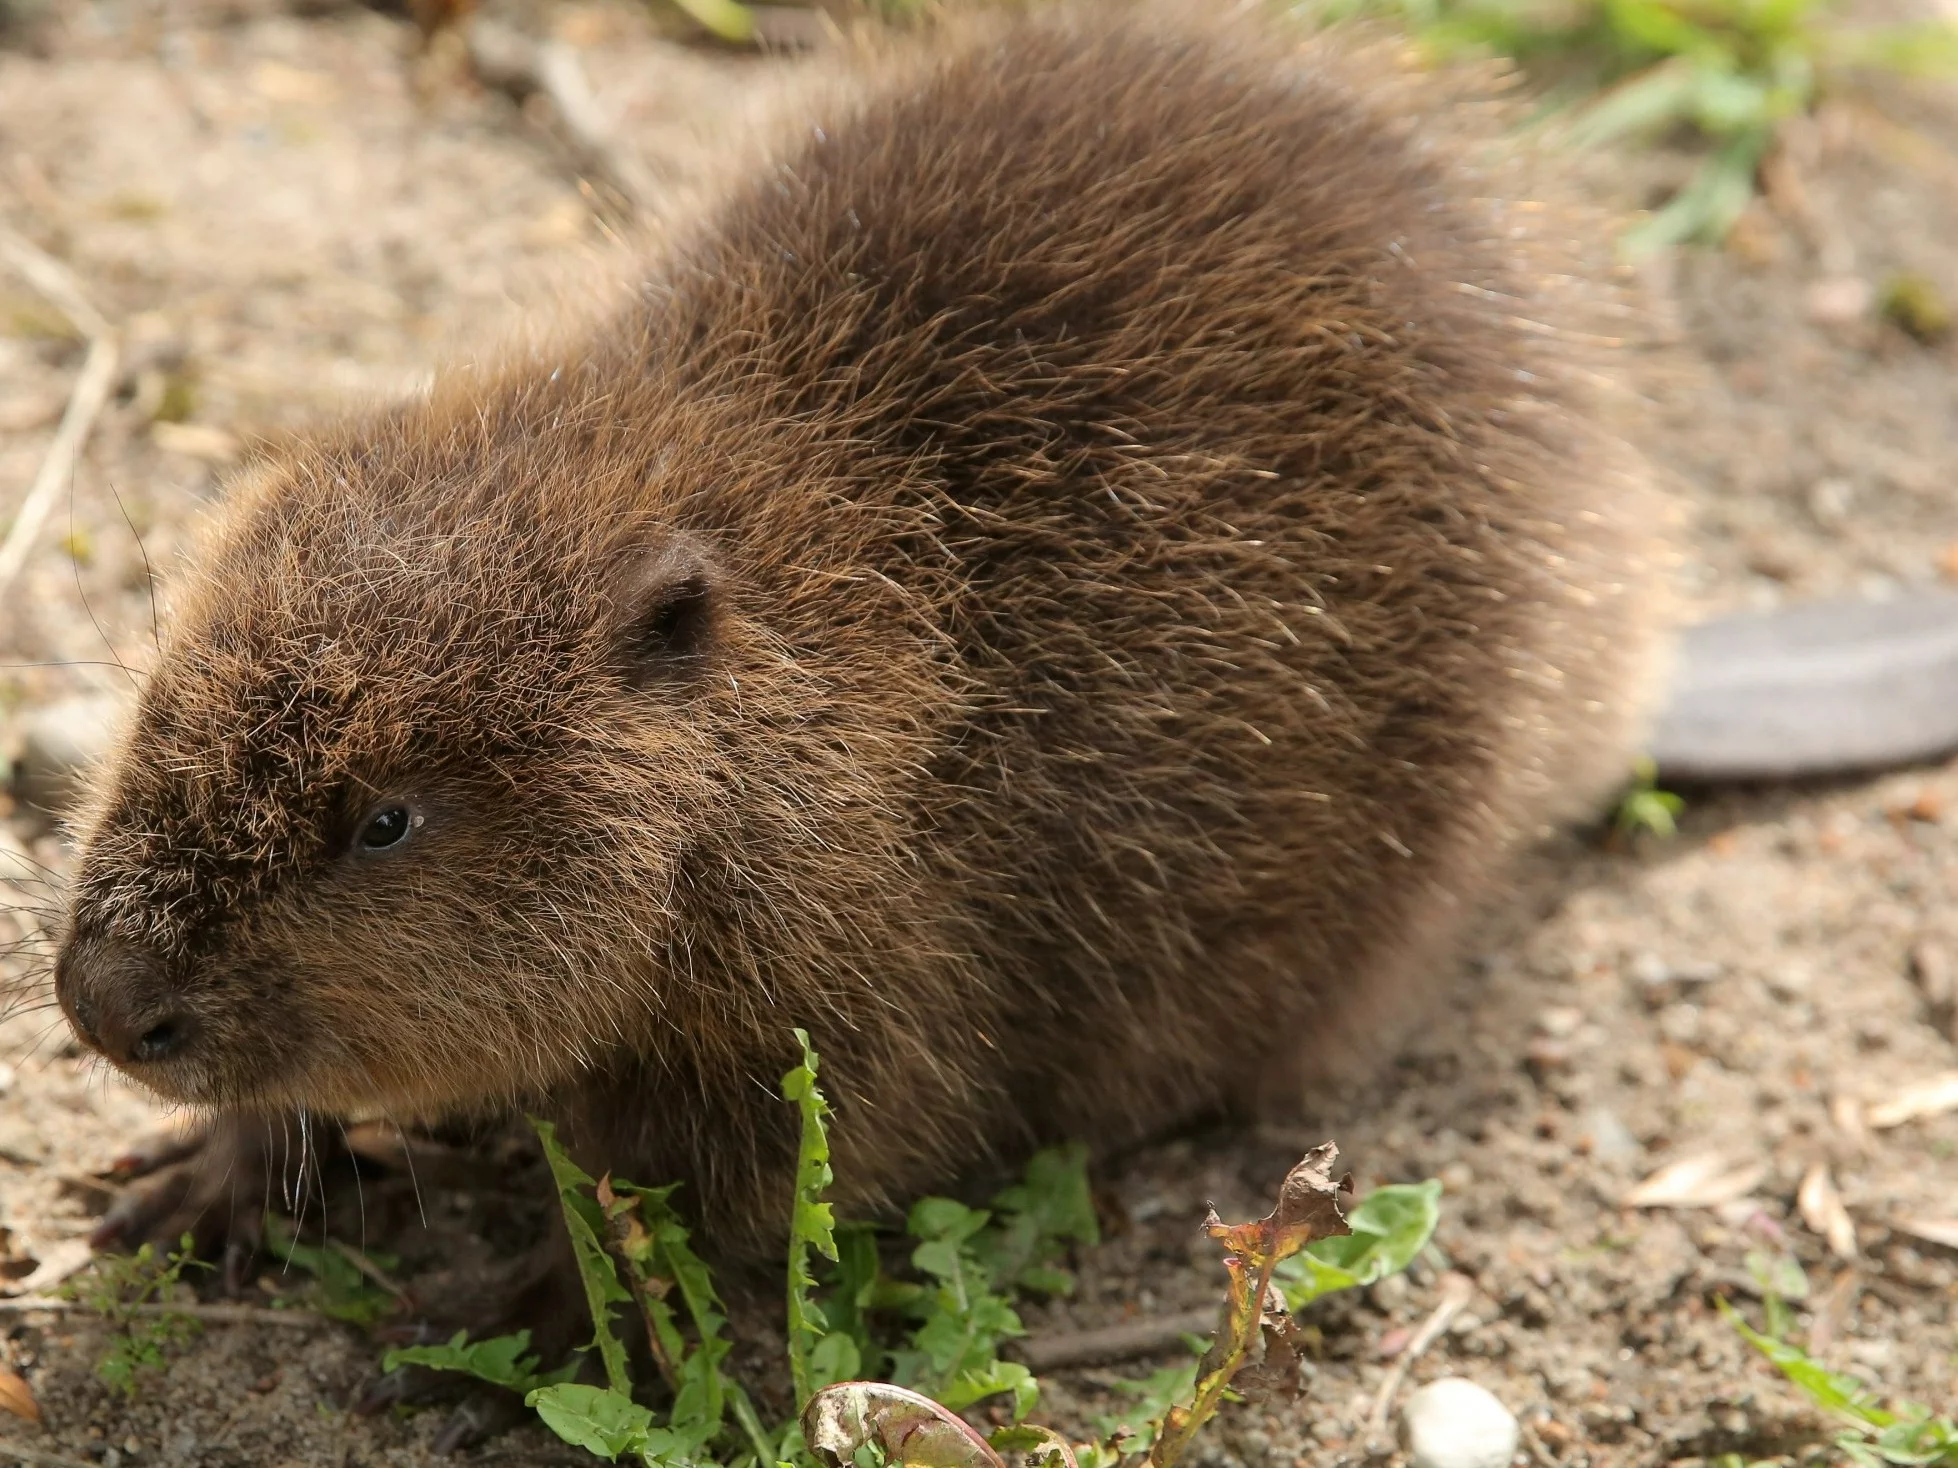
[[1726, 74]]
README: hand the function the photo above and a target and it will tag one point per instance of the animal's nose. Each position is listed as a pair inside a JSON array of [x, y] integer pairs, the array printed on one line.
[[119, 1001]]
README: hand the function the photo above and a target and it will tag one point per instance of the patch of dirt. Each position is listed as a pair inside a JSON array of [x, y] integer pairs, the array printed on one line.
[[287, 213]]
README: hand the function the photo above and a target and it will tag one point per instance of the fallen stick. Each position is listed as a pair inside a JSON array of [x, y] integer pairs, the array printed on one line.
[[1455, 1292], [1111, 1343], [98, 376], [212, 1314]]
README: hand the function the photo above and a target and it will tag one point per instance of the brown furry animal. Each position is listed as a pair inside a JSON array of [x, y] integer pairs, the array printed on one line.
[[1068, 584]]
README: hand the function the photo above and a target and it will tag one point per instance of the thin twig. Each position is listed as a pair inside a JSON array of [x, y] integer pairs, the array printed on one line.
[[521, 68], [1124, 1342], [212, 1314], [1456, 1291], [54, 281], [35, 1458]]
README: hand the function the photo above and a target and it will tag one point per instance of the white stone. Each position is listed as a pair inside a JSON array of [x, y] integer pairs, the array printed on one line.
[[1453, 1423], [53, 748]]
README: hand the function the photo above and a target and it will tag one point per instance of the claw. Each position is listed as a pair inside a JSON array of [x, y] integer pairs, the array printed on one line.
[[157, 1150], [476, 1420], [408, 1386], [387, 1390], [240, 1256]]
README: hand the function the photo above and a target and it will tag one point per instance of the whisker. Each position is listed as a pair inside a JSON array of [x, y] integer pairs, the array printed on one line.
[[82, 592], [149, 572]]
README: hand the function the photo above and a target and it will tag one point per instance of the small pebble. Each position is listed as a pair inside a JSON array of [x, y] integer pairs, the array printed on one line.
[[1838, 300], [1560, 1021], [1609, 1138], [1453, 1423]]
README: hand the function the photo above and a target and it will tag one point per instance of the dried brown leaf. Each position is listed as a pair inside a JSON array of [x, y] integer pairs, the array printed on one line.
[[1308, 1209], [1276, 1374], [908, 1427], [1700, 1181], [17, 1397], [1932, 1097], [1822, 1210]]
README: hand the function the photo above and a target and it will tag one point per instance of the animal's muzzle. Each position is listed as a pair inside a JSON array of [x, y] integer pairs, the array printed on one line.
[[120, 1001]]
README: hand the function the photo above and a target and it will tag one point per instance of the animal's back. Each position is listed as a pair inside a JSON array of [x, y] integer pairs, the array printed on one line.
[[1244, 548]]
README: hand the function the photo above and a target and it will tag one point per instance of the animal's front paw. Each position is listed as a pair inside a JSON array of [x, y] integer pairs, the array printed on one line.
[[212, 1183]]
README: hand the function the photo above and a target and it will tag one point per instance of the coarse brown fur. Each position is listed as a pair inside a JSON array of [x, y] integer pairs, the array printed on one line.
[[1068, 583]]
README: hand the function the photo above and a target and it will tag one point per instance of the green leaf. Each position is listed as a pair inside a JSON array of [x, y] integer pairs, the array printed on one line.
[[727, 19], [977, 1383], [1926, 48], [1652, 100], [1037, 1219], [659, 1254], [502, 1360], [584, 1220], [854, 1288], [340, 1291], [1709, 204], [594, 1418], [1834, 1393], [1389, 1228], [812, 1224], [1154, 1395], [1726, 102], [1641, 27]]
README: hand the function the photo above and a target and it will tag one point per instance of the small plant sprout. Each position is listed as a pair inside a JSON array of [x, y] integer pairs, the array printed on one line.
[[126, 1289], [1873, 1435], [1645, 807]]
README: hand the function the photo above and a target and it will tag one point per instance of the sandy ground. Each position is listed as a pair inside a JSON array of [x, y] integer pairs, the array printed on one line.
[[282, 220]]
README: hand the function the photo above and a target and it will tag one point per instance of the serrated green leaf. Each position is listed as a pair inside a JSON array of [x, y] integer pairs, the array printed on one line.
[[502, 1360], [594, 1418], [584, 1220], [977, 1383], [812, 1225]]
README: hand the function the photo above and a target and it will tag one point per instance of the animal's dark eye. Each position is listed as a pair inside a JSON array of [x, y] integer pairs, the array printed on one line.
[[388, 826]]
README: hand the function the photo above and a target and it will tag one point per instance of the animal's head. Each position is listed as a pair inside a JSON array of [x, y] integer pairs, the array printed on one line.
[[419, 761]]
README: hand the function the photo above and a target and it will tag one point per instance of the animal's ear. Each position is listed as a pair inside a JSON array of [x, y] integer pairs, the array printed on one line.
[[668, 600]]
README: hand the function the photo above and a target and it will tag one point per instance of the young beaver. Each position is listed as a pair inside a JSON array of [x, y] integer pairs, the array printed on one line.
[[1068, 585]]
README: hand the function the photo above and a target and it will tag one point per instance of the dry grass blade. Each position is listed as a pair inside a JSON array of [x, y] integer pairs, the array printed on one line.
[[1822, 1210], [1456, 1291], [1941, 1231], [54, 281], [35, 1458], [1931, 1097]]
